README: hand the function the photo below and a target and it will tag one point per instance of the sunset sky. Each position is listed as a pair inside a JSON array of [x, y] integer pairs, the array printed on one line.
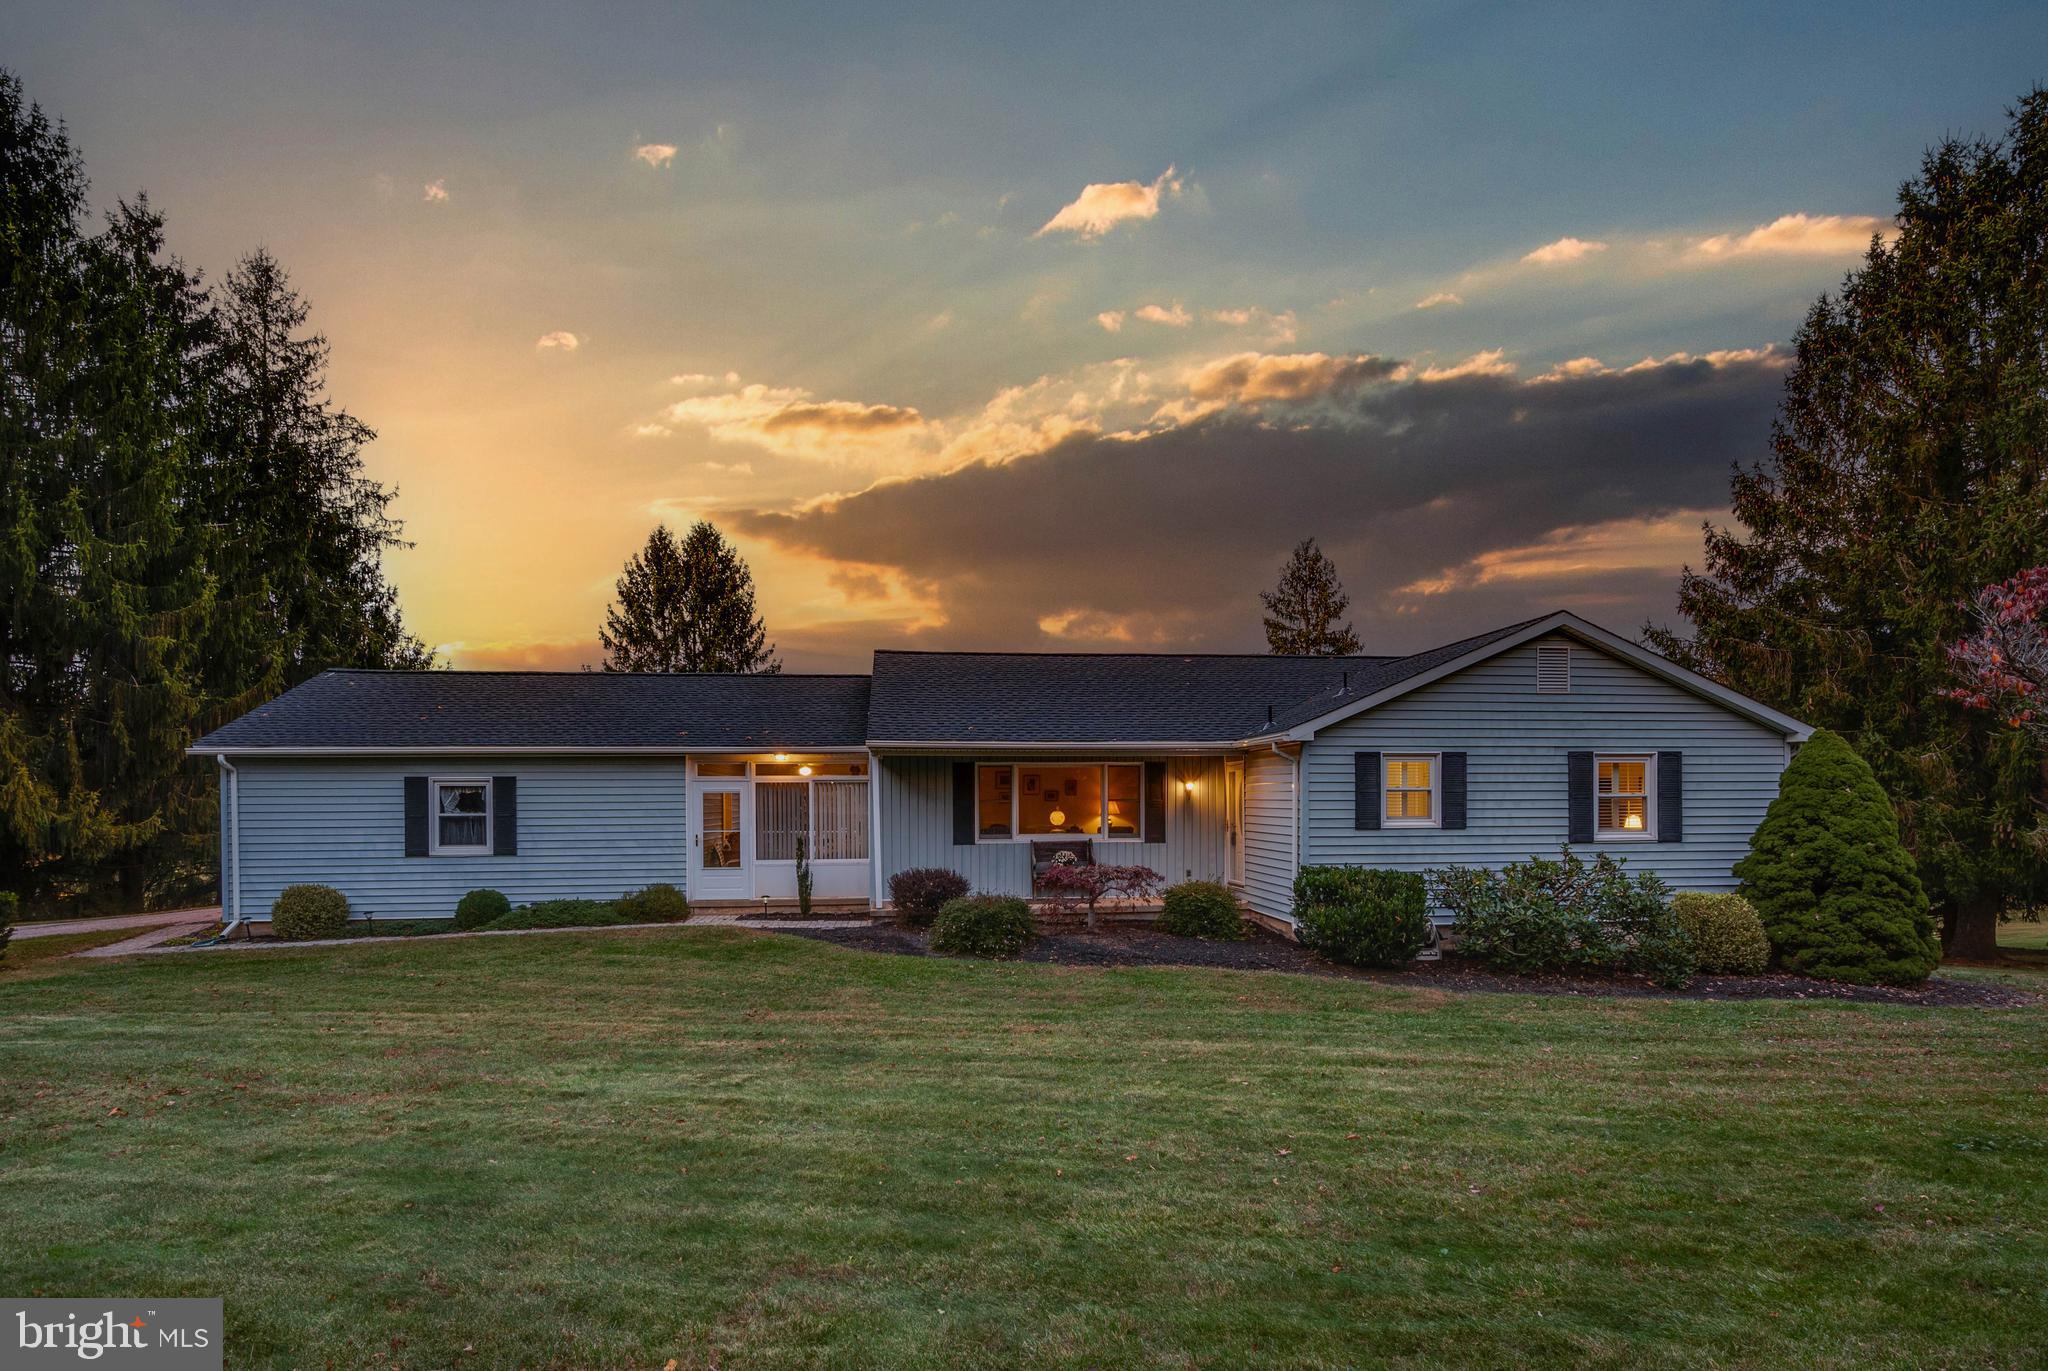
[[1037, 327]]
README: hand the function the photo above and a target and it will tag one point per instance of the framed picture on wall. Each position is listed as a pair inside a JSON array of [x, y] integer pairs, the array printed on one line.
[[1031, 780]]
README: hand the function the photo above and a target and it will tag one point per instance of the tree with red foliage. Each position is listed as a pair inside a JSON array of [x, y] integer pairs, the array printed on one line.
[[1091, 882], [2003, 666]]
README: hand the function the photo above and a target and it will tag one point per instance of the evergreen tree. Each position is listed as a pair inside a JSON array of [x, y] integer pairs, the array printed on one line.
[[1833, 884], [1303, 611], [1909, 468], [686, 606], [306, 529]]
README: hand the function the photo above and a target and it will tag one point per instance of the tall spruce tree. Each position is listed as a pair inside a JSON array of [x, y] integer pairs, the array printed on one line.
[[305, 529], [1909, 468], [686, 606], [1303, 611]]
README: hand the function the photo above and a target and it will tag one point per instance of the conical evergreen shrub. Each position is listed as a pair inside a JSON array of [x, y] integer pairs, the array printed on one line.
[[1830, 879]]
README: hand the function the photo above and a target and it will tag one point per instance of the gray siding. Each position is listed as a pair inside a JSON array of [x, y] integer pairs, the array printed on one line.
[[1516, 742], [916, 799], [586, 828], [1269, 816]]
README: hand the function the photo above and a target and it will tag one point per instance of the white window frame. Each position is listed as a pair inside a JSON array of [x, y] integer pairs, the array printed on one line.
[[810, 785], [437, 848], [1436, 790], [1137, 834], [1648, 834]]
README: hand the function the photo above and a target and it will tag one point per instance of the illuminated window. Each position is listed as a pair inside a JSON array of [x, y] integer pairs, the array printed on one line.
[[1411, 789], [1033, 800], [1622, 797]]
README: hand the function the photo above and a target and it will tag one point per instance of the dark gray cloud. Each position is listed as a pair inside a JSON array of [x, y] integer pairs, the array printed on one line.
[[1172, 534]]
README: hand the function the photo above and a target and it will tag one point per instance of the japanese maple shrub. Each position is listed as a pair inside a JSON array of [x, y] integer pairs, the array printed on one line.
[[1834, 886], [1090, 883], [1362, 916]]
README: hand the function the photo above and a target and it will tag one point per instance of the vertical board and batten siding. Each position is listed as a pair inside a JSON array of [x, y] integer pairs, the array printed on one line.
[[1269, 848], [1516, 740], [915, 800], [593, 829]]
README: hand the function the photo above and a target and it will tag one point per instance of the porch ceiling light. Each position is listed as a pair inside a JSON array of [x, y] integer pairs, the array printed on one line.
[[804, 770], [782, 756]]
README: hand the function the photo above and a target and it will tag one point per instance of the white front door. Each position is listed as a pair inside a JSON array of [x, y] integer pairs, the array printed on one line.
[[719, 868], [1233, 816]]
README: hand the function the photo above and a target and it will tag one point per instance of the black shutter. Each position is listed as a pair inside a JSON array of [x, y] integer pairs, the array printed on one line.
[[1579, 796], [415, 816], [1454, 790], [505, 816], [1365, 799], [963, 804], [1671, 797], [1155, 802]]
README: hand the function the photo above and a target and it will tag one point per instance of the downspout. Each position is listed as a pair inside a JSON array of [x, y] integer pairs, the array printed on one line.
[[231, 874], [874, 832]]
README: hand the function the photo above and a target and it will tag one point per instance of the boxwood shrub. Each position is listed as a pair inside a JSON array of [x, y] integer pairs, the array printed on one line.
[[983, 926], [1202, 909], [1727, 936], [921, 892], [660, 903], [308, 911], [479, 907], [1360, 915]]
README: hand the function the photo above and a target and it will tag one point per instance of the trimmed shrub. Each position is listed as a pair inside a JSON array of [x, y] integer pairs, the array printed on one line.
[[1727, 937], [921, 892], [1202, 909], [1566, 915], [561, 914], [479, 907], [308, 911], [983, 926], [1832, 883], [1360, 915], [660, 903]]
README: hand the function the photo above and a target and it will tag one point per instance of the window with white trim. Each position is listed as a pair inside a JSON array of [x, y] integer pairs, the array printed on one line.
[[1410, 799], [462, 816], [1622, 791], [829, 817], [1040, 800]]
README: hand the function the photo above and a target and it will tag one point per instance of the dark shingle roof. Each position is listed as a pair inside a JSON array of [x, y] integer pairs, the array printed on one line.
[[539, 709], [1092, 697]]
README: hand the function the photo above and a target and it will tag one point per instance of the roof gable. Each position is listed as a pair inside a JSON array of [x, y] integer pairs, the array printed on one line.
[[1314, 715]]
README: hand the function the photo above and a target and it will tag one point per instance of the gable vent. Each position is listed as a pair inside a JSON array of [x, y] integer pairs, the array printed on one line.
[[1554, 670]]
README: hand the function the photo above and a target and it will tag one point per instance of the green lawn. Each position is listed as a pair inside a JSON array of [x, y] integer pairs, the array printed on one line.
[[752, 1151], [2032, 937]]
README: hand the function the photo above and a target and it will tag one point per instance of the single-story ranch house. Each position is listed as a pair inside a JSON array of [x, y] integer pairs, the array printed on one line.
[[407, 789]]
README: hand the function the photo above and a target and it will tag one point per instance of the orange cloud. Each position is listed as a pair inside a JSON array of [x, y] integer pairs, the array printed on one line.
[[1800, 235], [1252, 376], [1562, 251], [1102, 205]]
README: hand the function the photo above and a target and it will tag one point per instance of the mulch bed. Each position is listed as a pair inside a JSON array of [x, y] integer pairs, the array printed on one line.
[[1265, 951]]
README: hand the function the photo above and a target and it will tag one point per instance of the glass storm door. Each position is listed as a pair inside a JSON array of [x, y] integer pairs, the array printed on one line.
[[719, 869]]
